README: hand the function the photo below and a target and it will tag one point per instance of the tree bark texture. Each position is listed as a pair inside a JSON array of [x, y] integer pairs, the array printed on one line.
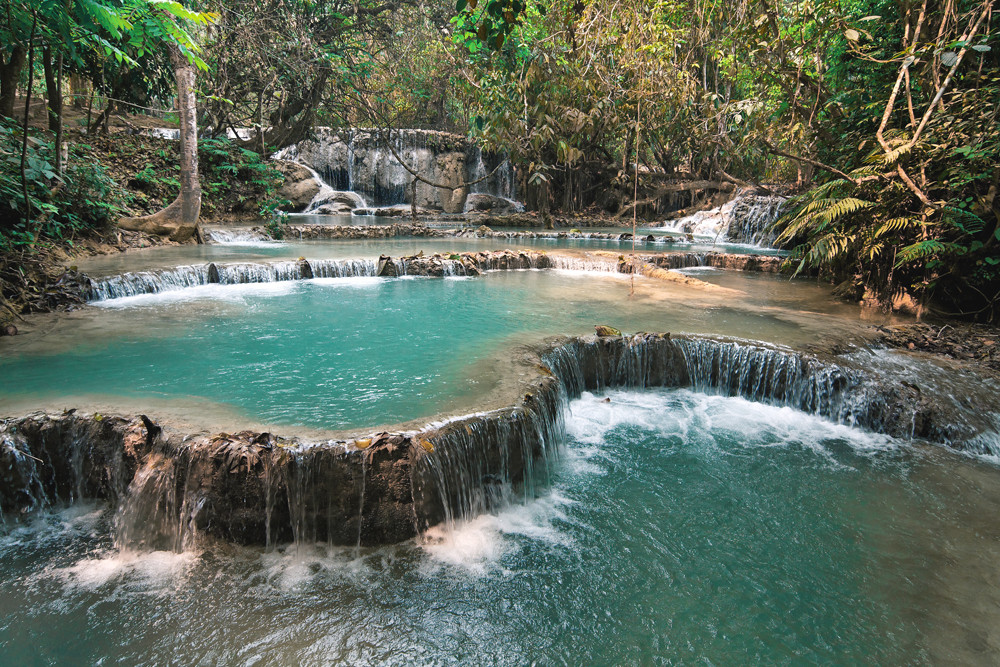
[[52, 93], [179, 220], [10, 72]]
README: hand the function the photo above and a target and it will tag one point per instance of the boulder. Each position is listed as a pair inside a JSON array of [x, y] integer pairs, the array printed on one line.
[[300, 185], [334, 208], [479, 202]]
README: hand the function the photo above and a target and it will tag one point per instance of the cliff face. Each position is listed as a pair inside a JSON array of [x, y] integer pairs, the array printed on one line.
[[367, 162]]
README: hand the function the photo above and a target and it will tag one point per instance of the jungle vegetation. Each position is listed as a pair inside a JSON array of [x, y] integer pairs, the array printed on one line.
[[879, 117]]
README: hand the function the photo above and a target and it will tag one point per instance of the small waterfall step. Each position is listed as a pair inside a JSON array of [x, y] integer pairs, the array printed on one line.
[[257, 488], [237, 236], [183, 277], [747, 219]]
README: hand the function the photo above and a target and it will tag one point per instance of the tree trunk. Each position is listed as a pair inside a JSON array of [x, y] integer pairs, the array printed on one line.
[[60, 156], [543, 205], [51, 89], [79, 89], [10, 73], [179, 220]]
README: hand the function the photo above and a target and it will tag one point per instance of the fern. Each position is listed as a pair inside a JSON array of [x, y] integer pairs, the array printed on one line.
[[844, 207], [896, 225], [895, 155], [927, 248], [968, 222]]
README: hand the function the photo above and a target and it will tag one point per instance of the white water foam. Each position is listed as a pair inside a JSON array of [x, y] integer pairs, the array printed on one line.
[[251, 238], [150, 569], [673, 414], [358, 282], [50, 527], [477, 545], [233, 293]]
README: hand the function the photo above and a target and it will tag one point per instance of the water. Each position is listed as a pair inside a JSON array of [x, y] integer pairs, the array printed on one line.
[[679, 528], [358, 352], [290, 249], [745, 219]]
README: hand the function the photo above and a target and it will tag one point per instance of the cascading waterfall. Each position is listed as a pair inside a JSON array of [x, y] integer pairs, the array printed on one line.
[[487, 461], [182, 277], [259, 489], [567, 263], [160, 513], [360, 160], [753, 371], [752, 217], [335, 188], [466, 264], [746, 218], [238, 236], [492, 179]]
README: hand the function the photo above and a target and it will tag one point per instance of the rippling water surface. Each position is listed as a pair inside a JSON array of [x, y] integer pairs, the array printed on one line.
[[359, 352], [681, 528]]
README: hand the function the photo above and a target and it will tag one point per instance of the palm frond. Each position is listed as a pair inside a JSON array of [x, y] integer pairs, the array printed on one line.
[[926, 248], [896, 225]]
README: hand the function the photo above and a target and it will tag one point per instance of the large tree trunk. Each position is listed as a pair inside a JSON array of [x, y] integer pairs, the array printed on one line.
[[10, 72], [179, 220]]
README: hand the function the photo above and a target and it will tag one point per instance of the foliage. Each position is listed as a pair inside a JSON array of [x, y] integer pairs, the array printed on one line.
[[234, 179], [912, 210], [85, 197], [281, 67], [276, 220], [884, 114], [585, 95], [491, 21]]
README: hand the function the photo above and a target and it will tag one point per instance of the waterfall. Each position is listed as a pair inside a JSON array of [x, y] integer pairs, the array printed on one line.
[[161, 508], [465, 264], [336, 198], [569, 263], [744, 219], [753, 371], [238, 236], [256, 488], [484, 462], [493, 184], [364, 161], [46, 461], [181, 277], [147, 282], [752, 217]]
